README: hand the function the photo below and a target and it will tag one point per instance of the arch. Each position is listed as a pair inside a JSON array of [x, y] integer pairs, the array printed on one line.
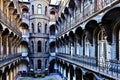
[[89, 28], [63, 16], [25, 9], [78, 73], [39, 9], [24, 48], [108, 21], [24, 25], [11, 4], [32, 27], [91, 76], [72, 36], [79, 34], [52, 46], [59, 19], [66, 11], [71, 4], [53, 11], [4, 73], [71, 72], [51, 67], [39, 46], [116, 38], [39, 27], [39, 64], [6, 31], [32, 9], [46, 10], [45, 28], [32, 45], [52, 29]]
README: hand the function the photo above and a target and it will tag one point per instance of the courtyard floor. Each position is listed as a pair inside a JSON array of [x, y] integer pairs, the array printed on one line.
[[52, 76]]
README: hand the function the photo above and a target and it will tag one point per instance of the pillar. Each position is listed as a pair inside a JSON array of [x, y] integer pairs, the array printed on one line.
[[68, 74]]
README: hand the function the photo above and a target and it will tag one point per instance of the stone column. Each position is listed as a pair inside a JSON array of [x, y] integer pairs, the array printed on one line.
[[4, 44], [69, 75]]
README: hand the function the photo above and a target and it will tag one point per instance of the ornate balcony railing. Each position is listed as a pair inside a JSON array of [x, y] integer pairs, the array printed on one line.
[[9, 24], [107, 68], [89, 12], [8, 59], [43, 35], [39, 55]]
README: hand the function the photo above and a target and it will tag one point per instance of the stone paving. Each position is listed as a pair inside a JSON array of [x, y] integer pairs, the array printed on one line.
[[53, 76]]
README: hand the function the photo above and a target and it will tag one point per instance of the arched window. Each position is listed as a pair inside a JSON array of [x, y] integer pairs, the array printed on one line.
[[87, 47], [39, 27], [46, 10], [101, 46], [32, 45], [32, 9], [39, 46], [45, 28], [39, 9], [32, 28], [39, 64]]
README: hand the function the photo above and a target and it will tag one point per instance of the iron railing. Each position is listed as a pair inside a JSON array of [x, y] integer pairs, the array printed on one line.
[[107, 68], [89, 11], [9, 58], [4, 19]]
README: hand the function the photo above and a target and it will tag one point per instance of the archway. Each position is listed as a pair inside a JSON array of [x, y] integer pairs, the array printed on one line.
[[51, 66]]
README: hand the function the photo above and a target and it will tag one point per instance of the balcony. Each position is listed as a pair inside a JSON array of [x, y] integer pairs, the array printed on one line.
[[90, 11], [40, 35], [40, 55], [9, 24], [9, 59], [41, 16], [106, 68]]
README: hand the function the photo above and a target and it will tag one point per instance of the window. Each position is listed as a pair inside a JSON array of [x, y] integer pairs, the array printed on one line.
[[32, 9], [32, 45], [32, 27], [45, 28], [46, 10], [39, 64], [39, 46], [39, 9], [39, 27]]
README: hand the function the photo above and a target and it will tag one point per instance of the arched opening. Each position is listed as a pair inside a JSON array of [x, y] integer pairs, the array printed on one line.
[[24, 48], [39, 27], [32, 27], [45, 28], [25, 12], [39, 64], [39, 46], [101, 47], [79, 74], [52, 30], [51, 67], [87, 47], [89, 76], [32, 45], [46, 10], [39, 9], [32, 9], [71, 72], [52, 46]]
